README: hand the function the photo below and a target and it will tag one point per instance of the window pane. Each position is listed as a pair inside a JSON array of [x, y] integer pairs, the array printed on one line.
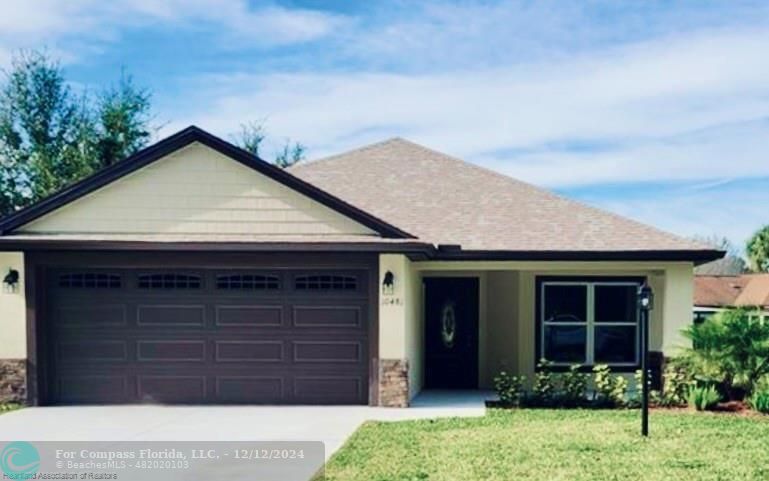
[[615, 344], [615, 304], [565, 303], [565, 343]]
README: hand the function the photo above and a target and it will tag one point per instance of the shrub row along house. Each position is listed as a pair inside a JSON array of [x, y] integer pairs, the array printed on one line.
[[194, 272]]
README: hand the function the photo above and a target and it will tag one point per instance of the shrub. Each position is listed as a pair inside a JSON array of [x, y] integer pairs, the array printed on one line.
[[509, 388], [574, 384], [618, 394], [703, 398], [7, 407], [677, 383], [760, 401], [610, 390], [543, 391], [655, 396], [730, 350]]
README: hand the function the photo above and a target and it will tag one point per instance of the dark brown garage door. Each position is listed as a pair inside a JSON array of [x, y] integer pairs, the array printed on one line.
[[208, 336]]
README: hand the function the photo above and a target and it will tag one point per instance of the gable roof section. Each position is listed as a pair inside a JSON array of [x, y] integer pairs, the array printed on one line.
[[444, 200], [174, 143]]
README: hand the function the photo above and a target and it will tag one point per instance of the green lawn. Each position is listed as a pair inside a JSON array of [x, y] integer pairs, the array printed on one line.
[[568, 445]]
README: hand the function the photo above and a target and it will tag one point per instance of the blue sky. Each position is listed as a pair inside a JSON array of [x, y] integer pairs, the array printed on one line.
[[655, 110]]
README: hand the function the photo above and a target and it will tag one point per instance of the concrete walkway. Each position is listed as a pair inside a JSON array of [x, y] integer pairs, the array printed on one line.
[[329, 424]]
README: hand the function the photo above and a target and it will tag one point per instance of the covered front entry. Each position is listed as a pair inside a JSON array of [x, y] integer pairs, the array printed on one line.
[[236, 331], [451, 332]]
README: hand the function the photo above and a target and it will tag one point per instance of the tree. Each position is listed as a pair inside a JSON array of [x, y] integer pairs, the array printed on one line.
[[45, 132], [253, 134], [124, 115], [732, 264], [51, 137], [250, 137], [290, 154], [758, 250]]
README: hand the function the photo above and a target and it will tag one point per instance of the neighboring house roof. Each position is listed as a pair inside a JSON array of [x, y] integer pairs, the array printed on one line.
[[747, 290], [173, 143], [444, 200]]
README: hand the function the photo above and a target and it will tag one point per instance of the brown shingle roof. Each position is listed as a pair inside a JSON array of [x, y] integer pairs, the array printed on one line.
[[748, 290], [444, 200]]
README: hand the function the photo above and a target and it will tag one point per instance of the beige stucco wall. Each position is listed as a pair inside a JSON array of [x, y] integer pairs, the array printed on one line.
[[400, 317], [13, 330], [508, 324], [196, 190], [676, 307], [502, 330]]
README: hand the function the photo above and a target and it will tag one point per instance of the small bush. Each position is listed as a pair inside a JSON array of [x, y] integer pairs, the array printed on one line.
[[544, 389], [677, 383], [7, 407], [618, 393], [610, 390], [760, 401], [703, 398], [574, 384], [509, 388]]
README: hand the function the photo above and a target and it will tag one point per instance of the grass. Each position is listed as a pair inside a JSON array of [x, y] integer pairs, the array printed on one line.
[[568, 445], [8, 407]]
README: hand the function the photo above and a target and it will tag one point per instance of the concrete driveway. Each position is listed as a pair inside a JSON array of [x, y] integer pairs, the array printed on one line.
[[329, 424]]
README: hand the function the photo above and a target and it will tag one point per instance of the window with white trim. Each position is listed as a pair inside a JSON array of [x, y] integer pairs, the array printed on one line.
[[589, 322]]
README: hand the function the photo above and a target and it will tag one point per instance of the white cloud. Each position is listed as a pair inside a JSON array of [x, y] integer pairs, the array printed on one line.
[[33, 23], [647, 100], [735, 211]]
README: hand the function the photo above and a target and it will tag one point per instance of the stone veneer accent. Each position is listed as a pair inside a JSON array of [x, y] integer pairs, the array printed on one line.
[[13, 381], [394, 383]]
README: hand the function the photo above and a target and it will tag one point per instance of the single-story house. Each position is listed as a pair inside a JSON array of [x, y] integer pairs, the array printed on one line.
[[713, 294], [194, 272]]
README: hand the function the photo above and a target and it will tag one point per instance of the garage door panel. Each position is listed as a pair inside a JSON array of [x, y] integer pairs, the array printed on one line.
[[87, 315], [249, 315], [240, 389], [92, 350], [171, 389], [165, 315], [328, 316], [210, 336], [322, 283], [327, 351], [250, 351], [106, 389], [171, 351], [325, 389]]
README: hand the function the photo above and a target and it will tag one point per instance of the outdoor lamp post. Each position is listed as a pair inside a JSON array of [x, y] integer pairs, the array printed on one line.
[[645, 304]]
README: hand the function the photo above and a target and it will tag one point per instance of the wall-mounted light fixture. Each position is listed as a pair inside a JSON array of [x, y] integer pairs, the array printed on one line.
[[11, 281], [388, 284]]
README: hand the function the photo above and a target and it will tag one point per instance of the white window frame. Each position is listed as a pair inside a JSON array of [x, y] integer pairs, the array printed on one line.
[[590, 324]]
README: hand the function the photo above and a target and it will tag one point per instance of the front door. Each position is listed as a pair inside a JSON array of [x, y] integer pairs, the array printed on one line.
[[451, 333]]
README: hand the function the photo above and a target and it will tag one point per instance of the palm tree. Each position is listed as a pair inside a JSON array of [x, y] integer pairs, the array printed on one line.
[[758, 250]]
